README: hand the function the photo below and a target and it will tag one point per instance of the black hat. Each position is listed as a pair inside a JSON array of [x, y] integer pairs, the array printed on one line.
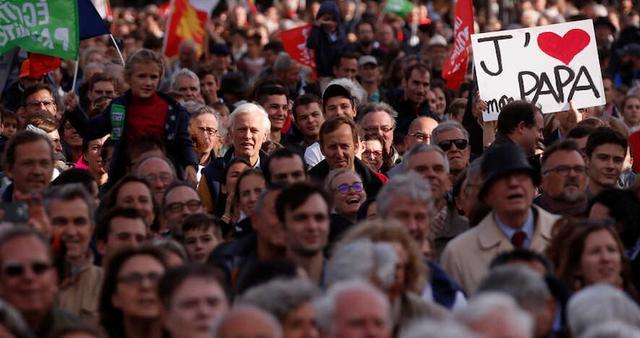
[[336, 90], [502, 160], [219, 49]]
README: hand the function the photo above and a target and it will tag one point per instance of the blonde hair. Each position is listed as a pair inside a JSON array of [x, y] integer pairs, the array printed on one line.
[[143, 56]]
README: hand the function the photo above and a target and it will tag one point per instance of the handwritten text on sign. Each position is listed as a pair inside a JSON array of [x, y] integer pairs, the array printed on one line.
[[548, 66]]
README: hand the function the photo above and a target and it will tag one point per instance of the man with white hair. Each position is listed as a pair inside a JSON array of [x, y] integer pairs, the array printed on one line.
[[436, 329], [529, 289], [598, 304], [247, 322], [496, 315], [353, 309], [249, 127], [185, 84]]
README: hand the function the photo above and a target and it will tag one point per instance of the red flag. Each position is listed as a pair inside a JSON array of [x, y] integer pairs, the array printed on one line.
[[455, 66], [295, 44], [38, 65], [187, 22]]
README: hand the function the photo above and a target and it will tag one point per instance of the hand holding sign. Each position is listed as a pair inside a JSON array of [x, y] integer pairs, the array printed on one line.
[[548, 66]]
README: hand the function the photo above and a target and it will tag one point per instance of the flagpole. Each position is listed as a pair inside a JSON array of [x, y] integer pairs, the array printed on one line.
[[117, 48], [75, 77]]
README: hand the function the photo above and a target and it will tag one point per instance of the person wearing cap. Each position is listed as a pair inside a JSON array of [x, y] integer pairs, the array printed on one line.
[[369, 75], [337, 100], [437, 53], [13, 93], [509, 188]]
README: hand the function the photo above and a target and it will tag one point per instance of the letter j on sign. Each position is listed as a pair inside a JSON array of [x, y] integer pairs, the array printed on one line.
[[548, 66]]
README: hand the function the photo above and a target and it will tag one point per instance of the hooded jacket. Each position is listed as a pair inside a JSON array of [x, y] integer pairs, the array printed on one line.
[[327, 51]]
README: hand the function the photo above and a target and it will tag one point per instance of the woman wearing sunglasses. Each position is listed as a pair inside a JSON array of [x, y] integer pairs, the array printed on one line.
[[129, 303], [348, 195]]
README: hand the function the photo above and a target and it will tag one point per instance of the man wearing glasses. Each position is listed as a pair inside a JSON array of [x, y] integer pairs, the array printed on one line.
[[180, 200], [380, 118], [37, 98], [203, 127], [420, 131], [453, 139], [564, 180], [28, 280]]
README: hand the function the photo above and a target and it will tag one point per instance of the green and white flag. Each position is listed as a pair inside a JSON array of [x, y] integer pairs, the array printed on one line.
[[40, 26], [401, 8]]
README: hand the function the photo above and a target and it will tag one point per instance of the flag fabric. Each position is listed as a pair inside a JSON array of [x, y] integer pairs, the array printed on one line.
[[295, 44], [187, 22], [401, 8], [42, 64], [455, 66], [103, 7], [40, 26], [91, 23]]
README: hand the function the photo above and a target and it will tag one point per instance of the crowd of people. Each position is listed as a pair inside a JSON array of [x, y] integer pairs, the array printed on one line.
[[233, 192]]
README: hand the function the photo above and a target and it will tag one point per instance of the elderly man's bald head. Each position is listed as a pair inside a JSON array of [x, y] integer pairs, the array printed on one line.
[[247, 322]]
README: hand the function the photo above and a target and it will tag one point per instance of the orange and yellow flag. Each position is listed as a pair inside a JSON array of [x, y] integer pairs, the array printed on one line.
[[187, 22]]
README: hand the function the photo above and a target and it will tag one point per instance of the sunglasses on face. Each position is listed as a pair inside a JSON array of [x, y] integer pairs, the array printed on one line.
[[15, 269], [345, 188], [461, 144]]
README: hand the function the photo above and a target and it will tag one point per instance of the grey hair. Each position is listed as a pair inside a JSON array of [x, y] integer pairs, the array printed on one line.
[[196, 109], [612, 329], [335, 173], [11, 319], [280, 297], [325, 306], [363, 259], [485, 304], [423, 148], [69, 192], [429, 328], [448, 126], [409, 185], [184, 72], [94, 65], [170, 245], [262, 197], [250, 108], [149, 157], [527, 287], [357, 92], [376, 107], [241, 311], [283, 63], [600, 303]]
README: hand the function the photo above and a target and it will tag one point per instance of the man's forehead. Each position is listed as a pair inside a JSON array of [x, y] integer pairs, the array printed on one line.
[[565, 156], [42, 93], [154, 165], [607, 148], [276, 99], [180, 193], [376, 117], [23, 247], [291, 162]]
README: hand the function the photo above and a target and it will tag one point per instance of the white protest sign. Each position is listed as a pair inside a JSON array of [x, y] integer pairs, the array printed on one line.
[[547, 65]]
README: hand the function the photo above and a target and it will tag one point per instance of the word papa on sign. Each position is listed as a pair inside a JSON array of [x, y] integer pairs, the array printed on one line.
[[548, 66]]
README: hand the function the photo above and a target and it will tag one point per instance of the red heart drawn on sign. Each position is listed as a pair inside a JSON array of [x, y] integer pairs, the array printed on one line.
[[566, 47]]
